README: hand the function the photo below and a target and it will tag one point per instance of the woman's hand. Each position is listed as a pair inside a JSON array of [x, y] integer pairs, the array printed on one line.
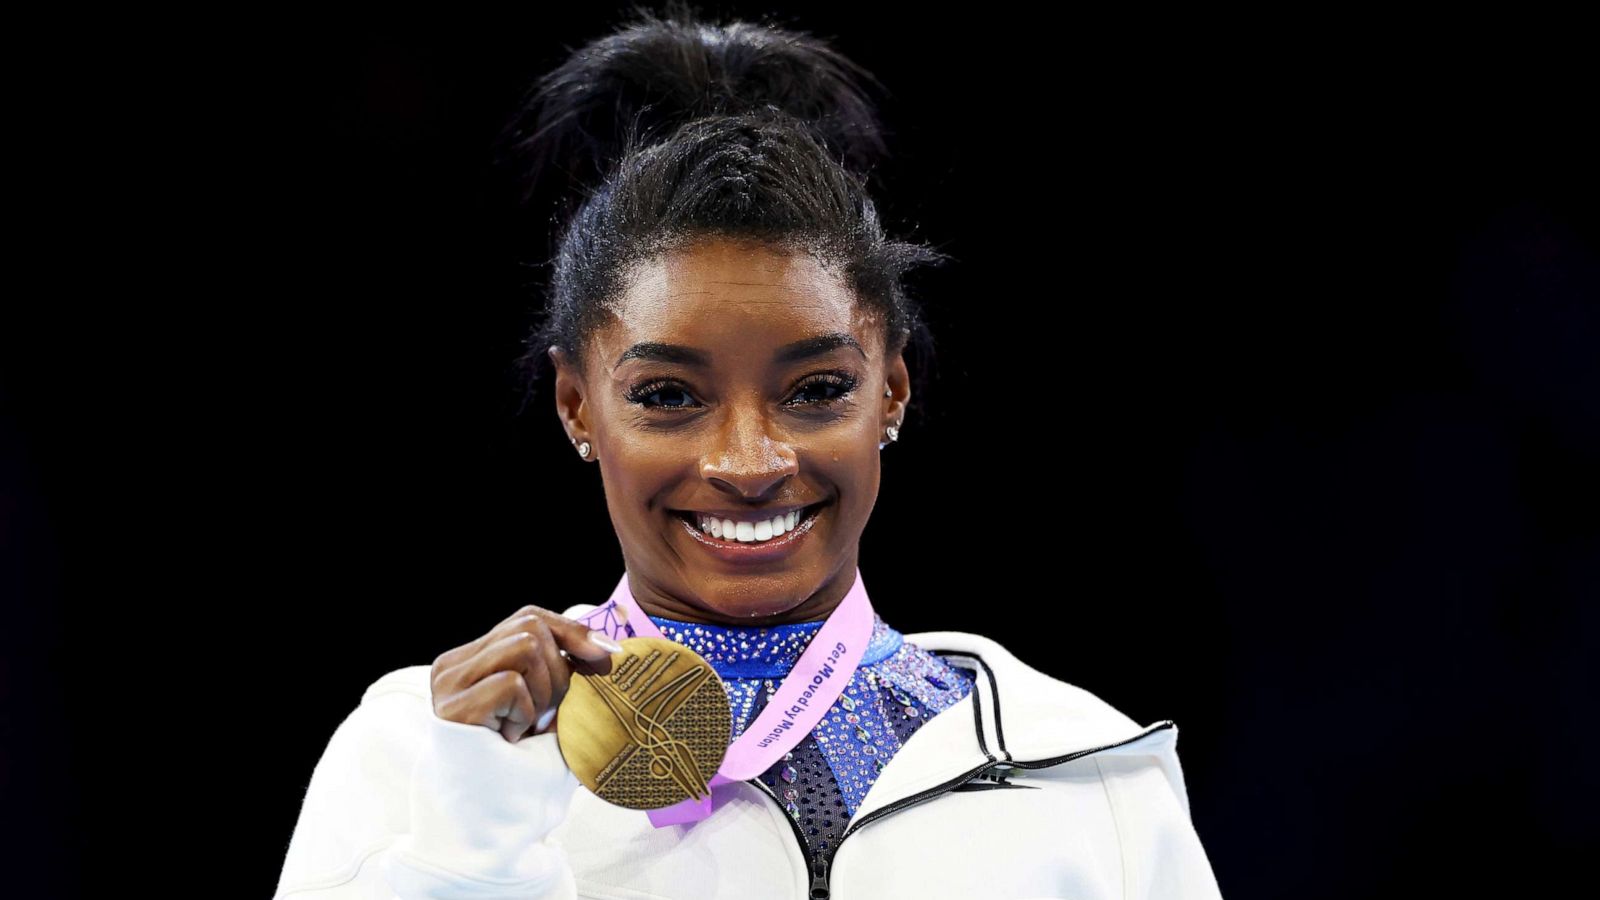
[[513, 678]]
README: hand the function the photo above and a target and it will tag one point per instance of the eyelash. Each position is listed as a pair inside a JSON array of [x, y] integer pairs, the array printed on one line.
[[843, 382]]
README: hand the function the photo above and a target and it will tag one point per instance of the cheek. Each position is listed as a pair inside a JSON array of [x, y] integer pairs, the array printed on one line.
[[853, 472], [636, 474], [851, 443]]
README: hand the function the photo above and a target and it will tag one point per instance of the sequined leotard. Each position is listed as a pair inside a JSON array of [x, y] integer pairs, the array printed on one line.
[[823, 780]]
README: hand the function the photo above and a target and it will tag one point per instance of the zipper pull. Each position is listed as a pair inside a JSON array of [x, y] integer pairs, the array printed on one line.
[[819, 880]]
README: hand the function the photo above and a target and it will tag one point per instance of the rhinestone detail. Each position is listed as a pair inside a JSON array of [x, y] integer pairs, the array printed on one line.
[[825, 778]]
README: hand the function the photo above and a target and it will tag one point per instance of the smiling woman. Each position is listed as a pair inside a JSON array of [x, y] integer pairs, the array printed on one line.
[[727, 330]]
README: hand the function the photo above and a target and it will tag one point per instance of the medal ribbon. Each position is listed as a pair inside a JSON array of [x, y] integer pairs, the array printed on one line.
[[798, 704]]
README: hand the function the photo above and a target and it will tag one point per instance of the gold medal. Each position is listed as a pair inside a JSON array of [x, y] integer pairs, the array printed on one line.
[[650, 734]]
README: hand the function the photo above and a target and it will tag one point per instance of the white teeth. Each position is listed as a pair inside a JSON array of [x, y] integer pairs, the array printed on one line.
[[750, 532]]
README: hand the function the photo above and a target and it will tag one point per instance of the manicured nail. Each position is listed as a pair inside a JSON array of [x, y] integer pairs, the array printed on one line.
[[599, 639], [544, 720]]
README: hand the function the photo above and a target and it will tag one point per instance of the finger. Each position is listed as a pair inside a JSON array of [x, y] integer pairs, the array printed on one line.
[[467, 664], [517, 711], [536, 671], [587, 667], [501, 702], [527, 610], [556, 664], [505, 626], [514, 652], [572, 635], [578, 640]]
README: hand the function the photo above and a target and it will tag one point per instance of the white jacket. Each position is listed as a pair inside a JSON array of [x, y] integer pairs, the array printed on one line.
[[1026, 787]]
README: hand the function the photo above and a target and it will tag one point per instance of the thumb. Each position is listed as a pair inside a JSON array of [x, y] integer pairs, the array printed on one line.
[[578, 640]]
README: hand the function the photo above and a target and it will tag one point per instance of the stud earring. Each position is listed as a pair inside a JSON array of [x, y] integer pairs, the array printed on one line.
[[894, 430], [894, 435], [583, 448]]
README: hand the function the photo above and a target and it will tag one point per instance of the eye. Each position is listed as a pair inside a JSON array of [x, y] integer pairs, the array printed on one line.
[[826, 387], [820, 390], [646, 395]]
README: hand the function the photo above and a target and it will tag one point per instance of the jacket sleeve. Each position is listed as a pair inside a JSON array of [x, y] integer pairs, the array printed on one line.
[[1162, 856], [405, 805]]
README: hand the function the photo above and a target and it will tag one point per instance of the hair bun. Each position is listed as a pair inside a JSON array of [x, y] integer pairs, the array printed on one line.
[[657, 72]]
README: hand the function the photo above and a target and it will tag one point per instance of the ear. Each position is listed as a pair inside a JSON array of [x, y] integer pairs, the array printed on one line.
[[897, 378], [570, 393]]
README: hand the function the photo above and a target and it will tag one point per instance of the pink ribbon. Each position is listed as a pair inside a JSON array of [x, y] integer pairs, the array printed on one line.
[[817, 679]]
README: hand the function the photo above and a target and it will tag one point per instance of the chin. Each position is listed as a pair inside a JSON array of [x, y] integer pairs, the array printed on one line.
[[755, 595]]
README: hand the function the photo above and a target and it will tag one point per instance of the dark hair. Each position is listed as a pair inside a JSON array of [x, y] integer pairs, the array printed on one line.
[[742, 131]]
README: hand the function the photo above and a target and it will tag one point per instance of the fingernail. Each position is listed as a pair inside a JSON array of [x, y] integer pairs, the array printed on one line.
[[599, 639], [544, 720]]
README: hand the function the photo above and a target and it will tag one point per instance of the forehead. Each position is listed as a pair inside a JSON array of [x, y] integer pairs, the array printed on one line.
[[734, 300]]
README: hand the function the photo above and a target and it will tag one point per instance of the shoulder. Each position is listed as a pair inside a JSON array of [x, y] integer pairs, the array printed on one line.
[[389, 720], [1012, 675], [358, 796], [1044, 717], [1055, 711]]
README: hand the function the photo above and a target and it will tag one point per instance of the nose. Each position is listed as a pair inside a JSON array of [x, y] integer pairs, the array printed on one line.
[[746, 462]]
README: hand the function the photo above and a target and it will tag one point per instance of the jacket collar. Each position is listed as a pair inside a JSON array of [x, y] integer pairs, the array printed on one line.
[[1014, 716]]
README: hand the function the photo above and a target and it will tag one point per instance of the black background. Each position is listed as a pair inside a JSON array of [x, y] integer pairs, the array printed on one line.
[[1267, 400]]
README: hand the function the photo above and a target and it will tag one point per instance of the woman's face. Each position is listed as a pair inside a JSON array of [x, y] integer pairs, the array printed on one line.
[[740, 383]]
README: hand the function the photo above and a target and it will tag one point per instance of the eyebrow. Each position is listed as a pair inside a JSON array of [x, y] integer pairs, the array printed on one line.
[[804, 348]]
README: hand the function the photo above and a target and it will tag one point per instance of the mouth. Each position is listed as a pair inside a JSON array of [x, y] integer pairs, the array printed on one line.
[[728, 544]]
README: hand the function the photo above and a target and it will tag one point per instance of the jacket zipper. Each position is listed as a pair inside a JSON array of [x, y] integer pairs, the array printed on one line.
[[818, 876], [819, 873]]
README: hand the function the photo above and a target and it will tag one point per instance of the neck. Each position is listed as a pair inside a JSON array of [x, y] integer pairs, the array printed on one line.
[[815, 608]]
